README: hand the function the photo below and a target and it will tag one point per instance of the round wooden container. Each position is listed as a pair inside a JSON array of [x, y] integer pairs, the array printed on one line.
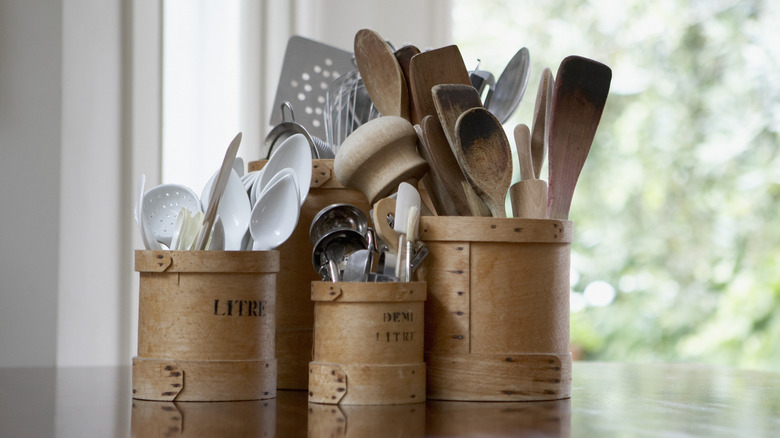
[[294, 308], [497, 323], [206, 325], [368, 343]]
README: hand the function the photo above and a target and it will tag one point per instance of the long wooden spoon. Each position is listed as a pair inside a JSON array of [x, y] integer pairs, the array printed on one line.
[[581, 89], [439, 66], [484, 155], [381, 74], [529, 195], [437, 152], [541, 122], [450, 101]]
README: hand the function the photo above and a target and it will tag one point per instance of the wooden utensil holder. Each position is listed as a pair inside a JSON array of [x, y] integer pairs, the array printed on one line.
[[294, 308], [368, 343], [206, 325], [497, 323]]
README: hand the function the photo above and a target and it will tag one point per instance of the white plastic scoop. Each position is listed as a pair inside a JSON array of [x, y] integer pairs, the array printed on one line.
[[234, 209], [295, 153], [161, 207], [275, 215]]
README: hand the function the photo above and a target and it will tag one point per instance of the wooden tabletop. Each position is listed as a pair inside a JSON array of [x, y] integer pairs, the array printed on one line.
[[607, 400]]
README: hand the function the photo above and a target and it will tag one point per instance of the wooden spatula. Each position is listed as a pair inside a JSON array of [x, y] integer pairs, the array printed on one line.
[[484, 155], [541, 122], [529, 195], [581, 89], [439, 66], [404, 57], [381, 74]]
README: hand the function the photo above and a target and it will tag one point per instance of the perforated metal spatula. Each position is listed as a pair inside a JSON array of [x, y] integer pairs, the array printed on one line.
[[307, 70]]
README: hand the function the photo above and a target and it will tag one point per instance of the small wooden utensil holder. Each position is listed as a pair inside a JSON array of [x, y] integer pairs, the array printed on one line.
[[294, 308], [368, 343], [206, 325], [497, 323]]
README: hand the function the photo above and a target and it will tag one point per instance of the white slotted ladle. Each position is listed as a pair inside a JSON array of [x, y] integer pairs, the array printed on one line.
[[295, 153], [161, 207], [234, 209], [275, 214]]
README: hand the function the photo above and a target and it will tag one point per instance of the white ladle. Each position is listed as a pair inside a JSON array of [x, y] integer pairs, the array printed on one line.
[[234, 209], [275, 215], [295, 153], [408, 198], [160, 210], [217, 242]]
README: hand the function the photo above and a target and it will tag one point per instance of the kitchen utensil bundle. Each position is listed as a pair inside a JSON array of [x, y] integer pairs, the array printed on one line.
[[227, 216], [345, 247]]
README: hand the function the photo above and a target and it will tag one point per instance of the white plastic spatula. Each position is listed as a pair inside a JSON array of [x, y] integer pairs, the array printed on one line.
[[408, 197]]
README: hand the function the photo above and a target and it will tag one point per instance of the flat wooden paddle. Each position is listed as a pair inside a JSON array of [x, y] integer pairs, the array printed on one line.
[[485, 156], [439, 66], [381, 74], [529, 195], [404, 57], [581, 89], [541, 122]]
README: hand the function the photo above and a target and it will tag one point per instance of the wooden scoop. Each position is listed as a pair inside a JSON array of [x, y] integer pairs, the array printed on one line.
[[581, 89], [439, 66], [450, 101], [484, 155], [382, 75], [529, 195], [541, 122], [437, 152]]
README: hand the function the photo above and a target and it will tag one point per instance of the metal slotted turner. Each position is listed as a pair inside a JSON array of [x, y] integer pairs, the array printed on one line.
[[308, 69]]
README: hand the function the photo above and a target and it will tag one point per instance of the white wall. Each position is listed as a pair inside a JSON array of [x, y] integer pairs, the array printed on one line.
[[80, 120], [30, 114]]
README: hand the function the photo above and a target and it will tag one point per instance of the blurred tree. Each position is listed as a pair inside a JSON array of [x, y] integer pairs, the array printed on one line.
[[677, 247]]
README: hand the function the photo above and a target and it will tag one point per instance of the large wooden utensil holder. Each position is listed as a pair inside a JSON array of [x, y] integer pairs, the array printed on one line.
[[497, 317], [206, 325], [294, 308], [368, 343]]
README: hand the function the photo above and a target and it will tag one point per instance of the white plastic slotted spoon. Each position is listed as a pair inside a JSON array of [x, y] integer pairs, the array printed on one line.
[[161, 207], [275, 215]]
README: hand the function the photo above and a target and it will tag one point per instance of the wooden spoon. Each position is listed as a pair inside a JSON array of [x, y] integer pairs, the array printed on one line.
[[529, 195], [381, 74], [450, 101], [439, 66], [404, 57], [541, 122], [437, 152], [581, 89], [484, 155]]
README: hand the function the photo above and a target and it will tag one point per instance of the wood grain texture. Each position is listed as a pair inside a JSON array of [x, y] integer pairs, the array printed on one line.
[[369, 384], [499, 377], [509, 230], [204, 380]]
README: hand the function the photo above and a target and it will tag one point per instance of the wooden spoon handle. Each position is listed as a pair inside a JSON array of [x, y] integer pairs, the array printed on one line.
[[523, 146], [541, 122]]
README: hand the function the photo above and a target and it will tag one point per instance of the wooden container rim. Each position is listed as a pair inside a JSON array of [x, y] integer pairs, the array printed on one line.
[[367, 292], [489, 229], [250, 262]]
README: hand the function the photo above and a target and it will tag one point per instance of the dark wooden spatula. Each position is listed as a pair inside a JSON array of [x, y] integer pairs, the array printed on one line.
[[581, 88]]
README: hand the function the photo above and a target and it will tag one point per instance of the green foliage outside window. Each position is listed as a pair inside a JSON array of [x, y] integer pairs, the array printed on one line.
[[677, 236]]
